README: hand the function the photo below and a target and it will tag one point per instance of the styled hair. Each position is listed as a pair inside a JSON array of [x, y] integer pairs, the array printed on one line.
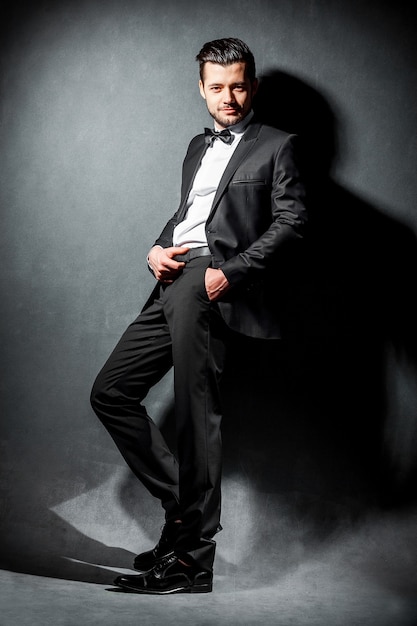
[[226, 52]]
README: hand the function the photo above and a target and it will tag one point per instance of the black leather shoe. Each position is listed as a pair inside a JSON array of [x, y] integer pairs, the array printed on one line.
[[169, 576], [165, 547]]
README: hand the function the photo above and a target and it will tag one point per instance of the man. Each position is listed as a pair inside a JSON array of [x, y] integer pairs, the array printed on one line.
[[216, 263]]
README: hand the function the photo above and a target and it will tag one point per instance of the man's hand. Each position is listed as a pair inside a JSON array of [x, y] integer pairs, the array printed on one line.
[[161, 261], [216, 284]]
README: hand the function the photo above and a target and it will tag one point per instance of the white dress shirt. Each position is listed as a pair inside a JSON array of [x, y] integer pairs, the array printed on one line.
[[191, 231]]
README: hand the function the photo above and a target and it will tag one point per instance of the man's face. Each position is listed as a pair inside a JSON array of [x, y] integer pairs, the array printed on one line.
[[228, 92]]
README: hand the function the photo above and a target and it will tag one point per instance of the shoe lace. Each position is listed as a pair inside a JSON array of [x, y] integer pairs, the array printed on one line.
[[163, 564]]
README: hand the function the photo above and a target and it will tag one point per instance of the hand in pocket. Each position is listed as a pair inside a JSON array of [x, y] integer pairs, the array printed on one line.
[[216, 284]]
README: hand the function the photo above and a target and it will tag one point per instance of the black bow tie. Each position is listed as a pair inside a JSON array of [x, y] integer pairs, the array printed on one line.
[[224, 135]]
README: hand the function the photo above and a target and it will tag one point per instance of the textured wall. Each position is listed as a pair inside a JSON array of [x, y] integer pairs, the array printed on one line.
[[99, 101]]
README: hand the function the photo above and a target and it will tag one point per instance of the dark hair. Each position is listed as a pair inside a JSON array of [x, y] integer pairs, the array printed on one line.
[[226, 52]]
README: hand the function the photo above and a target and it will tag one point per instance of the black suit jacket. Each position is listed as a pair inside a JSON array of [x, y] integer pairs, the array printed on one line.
[[257, 212]]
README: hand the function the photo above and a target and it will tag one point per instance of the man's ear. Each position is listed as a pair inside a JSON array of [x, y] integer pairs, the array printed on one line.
[[255, 86], [201, 87]]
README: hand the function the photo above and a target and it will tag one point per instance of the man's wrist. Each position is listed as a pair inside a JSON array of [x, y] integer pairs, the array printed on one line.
[[147, 258]]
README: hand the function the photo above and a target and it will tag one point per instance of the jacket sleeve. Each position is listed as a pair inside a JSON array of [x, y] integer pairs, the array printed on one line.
[[289, 217]]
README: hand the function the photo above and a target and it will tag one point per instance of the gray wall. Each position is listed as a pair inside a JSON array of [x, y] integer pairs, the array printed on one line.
[[99, 101]]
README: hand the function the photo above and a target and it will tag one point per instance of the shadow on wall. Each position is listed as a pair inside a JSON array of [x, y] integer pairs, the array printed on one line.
[[331, 419], [307, 418], [326, 419]]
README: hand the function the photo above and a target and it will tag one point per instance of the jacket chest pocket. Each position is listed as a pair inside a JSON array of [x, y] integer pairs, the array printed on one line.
[[249, 182]]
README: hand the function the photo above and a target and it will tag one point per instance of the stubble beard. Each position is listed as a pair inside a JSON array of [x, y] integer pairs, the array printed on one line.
[[227, 120]]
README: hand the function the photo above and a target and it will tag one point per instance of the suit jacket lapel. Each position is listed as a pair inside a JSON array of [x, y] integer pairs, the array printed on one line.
[[190, 170], [194, 160], [245, 146]]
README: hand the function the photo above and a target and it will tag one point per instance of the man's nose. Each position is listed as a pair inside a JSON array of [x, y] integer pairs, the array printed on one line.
[[229, 96]]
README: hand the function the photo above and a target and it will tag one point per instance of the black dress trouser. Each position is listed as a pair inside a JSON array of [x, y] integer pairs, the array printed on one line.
[[181, 328]]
